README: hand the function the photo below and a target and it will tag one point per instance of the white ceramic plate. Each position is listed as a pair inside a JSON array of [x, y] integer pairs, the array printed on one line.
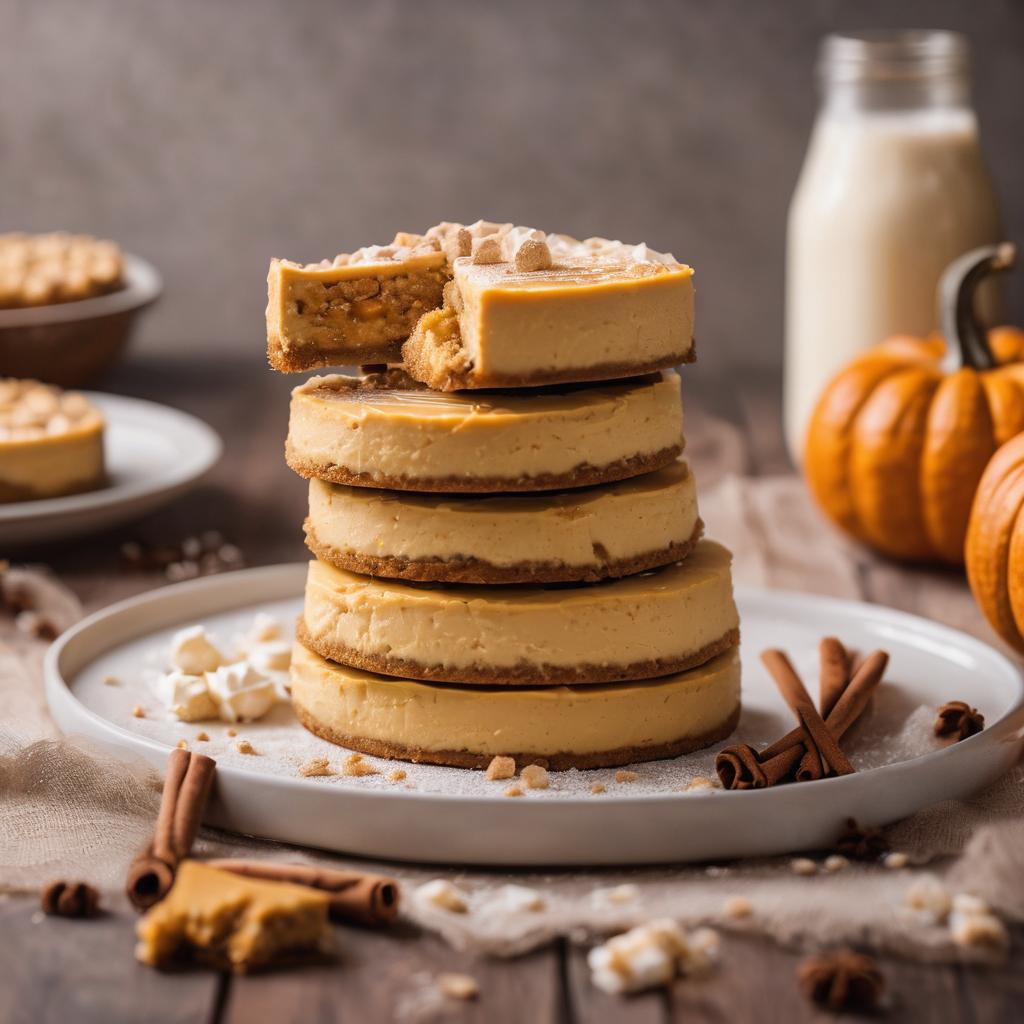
[[455, 816], [154, 453]]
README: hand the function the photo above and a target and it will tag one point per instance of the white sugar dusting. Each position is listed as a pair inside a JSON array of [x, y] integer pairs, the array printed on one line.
[[896, 727]]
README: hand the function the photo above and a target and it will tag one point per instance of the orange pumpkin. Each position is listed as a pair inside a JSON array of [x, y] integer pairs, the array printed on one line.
[[898, 442], [995, 543]]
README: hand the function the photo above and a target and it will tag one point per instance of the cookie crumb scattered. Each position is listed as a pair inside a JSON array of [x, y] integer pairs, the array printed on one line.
[[624, 776], [928, 897], [535, 776], [139, 711], [458, 986], [501, 767], [737, 908], [513, 791], [182, 744], [651, 955], [397, 775], [836, 862], [244, 747], [316, 767], [518, 899], [111, 681], [441, 893], [625, 893], [598, 787], [803, 866], [232, 732], [355, 767], [202, 736], [701, 783], [896, 860]]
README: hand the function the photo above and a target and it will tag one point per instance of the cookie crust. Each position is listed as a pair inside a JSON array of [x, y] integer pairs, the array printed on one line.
[[418, 366], [554, 761], [522, 674], [581, 476], [476, 570]]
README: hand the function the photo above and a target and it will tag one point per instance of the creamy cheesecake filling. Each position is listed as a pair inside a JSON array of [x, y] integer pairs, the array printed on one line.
[[414, 717], [582, 529], [397, 436], [583, 312], [626, 628]]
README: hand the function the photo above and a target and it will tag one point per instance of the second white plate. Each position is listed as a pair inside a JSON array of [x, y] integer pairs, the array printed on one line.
[[154, 453], [454, 816]]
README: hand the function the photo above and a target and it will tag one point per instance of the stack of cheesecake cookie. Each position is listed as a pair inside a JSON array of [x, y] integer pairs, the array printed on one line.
[[508, 547]]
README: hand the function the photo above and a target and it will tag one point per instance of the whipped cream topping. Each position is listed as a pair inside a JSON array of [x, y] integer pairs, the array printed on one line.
[[530, 249], [651, 955], [193, 652], [242, 693], [203, 683], [187, 697]]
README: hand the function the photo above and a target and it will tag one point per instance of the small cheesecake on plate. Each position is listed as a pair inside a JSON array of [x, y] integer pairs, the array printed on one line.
[[51, 442], [561, 726], [384, 430], [593, 533], [651, 624]]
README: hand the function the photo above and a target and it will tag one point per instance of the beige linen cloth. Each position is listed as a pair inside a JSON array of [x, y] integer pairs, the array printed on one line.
[[67, 812]]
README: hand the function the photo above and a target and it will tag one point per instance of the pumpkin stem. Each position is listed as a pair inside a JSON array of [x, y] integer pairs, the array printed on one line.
[[957, 316]]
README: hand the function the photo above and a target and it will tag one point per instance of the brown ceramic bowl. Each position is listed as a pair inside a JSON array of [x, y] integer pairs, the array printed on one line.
[[70, 344]]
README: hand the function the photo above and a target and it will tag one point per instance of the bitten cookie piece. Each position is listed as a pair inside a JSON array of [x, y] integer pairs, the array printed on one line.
[[655, 623], [542, 309], [485, 305], [383, 430], [561, 726], [614, 529]]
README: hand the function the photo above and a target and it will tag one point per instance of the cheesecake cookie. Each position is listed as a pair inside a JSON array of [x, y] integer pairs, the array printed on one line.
[[590, 534], [485, 305], [383, 430], [652, 624], [560, 726], [51, 442]]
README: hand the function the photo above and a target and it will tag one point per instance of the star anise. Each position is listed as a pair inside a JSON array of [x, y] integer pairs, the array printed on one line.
[[841, 980], [861, 842], [70, 899], [958, 719]]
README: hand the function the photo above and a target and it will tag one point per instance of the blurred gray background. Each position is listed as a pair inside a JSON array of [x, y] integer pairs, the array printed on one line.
[[210, 136]]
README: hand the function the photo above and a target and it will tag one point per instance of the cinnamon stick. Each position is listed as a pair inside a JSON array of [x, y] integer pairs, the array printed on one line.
[[740, 767], [835, 674], [187, 785], [823, 752], [355, 896]]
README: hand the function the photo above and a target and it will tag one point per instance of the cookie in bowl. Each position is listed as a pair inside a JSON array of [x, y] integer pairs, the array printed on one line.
[[41, 270], [51, 442]]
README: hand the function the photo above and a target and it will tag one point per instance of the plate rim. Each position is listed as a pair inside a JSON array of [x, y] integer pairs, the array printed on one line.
[[60, 691], [202, 454]]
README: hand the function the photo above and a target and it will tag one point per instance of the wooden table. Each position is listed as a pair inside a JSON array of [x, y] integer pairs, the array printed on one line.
[[70, 972]]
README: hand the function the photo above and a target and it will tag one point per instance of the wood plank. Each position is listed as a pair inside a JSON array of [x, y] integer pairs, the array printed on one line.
[[56, 971], [996, 994], [383, 976]]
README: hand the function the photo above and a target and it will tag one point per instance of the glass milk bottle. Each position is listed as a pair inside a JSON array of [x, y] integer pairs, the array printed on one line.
[[892, 189]]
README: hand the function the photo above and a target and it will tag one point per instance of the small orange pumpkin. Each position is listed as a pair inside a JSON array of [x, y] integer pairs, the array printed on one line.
[[995, 543], [897, 443]]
